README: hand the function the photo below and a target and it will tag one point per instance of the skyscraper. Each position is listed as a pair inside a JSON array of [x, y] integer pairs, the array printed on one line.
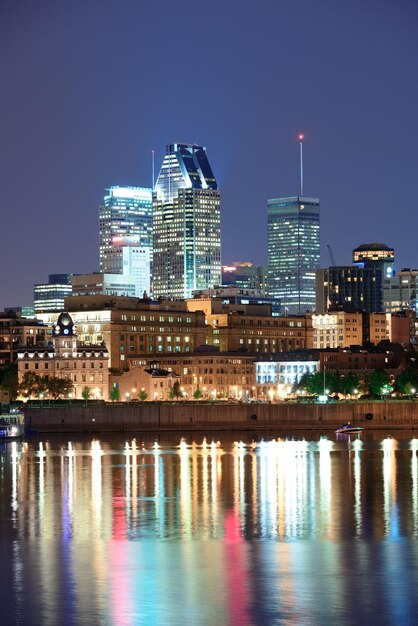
[[293, 252], [126, 212], [186, 224]]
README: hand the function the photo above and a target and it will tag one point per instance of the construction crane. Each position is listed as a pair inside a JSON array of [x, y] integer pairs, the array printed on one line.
[[331, 254]]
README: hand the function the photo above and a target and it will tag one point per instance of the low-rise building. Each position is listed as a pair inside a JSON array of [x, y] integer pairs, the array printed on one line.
[[65, 357], [17, 332], [214, 374]]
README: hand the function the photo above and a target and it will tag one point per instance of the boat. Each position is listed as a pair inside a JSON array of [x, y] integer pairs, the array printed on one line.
[[347, 429], [11, 426]]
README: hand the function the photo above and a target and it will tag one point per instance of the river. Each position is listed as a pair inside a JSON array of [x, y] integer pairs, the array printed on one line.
[[222, 530]]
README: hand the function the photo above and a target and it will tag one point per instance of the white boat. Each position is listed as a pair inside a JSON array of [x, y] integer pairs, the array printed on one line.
[[347, 429], [11, 426]]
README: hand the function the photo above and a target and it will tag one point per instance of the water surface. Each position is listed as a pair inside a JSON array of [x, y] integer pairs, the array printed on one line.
[[200, 531]]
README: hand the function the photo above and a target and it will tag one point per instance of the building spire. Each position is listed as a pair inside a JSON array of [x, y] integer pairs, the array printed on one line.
[[301, 137]]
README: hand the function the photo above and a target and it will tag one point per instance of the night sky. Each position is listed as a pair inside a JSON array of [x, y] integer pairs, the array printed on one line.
[[90, 87]]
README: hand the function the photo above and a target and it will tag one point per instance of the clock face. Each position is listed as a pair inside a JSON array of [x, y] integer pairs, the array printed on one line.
[[66, 331]]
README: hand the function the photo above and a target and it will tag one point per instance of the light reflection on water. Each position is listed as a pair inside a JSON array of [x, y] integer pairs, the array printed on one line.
[[278, 531]]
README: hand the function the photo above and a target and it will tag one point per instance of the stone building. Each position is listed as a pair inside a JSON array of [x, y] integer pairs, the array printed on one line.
[[66, 357]]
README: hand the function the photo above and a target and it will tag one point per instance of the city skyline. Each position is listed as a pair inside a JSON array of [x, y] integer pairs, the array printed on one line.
[[69, 130]]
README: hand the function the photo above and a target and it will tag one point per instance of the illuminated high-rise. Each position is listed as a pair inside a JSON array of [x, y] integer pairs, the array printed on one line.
[[126, 212], [186, 224], [293, 252]]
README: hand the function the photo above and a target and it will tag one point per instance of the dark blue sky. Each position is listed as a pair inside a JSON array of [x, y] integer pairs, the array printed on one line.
[[90, 87]]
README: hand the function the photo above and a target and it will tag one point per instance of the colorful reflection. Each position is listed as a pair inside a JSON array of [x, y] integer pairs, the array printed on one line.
[[205, 532]]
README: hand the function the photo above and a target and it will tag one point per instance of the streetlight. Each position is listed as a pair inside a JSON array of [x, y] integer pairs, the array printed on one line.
[[127, 396]]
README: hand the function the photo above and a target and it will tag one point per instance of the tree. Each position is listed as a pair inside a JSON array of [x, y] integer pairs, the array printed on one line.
[[348, 384], [59, 387], [379, 383], [197, 394], [316, 384], [9, 380], [32, 385], [142, 395], [115, 394], [407, 381], [85, 394], [175, 391]]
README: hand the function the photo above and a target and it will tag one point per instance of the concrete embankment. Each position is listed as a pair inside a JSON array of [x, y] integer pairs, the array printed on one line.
[[189, 416]]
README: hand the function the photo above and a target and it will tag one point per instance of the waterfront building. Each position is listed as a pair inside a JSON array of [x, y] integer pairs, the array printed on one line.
[[126, 212], [293, 252], [50, 296], [214, 374], [276, 376], [348, 288], [66, 357], [186, 224], [245, 275], [104, 284], [17, 332], [131, 327]]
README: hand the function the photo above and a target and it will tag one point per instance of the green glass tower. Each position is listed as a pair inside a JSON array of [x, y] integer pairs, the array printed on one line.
[[293, 252]]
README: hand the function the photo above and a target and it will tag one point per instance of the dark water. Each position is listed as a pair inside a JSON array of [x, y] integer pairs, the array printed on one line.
[[195, 532]]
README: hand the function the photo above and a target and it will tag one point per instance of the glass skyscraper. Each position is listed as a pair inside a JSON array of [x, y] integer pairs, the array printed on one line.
[[186, 224], [126, 212], [293, 252]]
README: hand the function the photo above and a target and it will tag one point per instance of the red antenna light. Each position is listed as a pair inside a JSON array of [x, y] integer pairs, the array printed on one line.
[[301, 137]]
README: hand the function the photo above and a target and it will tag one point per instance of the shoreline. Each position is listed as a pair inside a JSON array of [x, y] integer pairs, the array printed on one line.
[[201, 416]]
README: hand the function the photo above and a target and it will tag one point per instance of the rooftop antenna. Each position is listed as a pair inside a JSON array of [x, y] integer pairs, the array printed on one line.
[[153, 170], [301, 137]]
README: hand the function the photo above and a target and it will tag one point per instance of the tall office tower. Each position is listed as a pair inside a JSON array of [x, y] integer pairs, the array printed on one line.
[[186, 224], [50, 296], [380, 257], [293, 252], [126, 212]]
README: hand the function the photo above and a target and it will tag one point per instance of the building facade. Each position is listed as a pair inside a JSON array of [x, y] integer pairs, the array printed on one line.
[[348, 288], [232, 331], [380, 258], [186, 224], [16, 333], [216, 375], [245, 275], [340, 329], [97, 284], [126, 212], [66, 357], [131, 328], [400, 292], [50, 296], [293, 252]]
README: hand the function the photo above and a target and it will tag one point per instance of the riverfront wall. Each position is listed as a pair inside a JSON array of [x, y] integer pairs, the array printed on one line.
[[149, 416]]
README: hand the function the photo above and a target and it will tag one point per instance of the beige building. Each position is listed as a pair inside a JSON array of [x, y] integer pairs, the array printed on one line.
[[215, 374], [133, 327], [65, 357], [337, 330], [340, 329]]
